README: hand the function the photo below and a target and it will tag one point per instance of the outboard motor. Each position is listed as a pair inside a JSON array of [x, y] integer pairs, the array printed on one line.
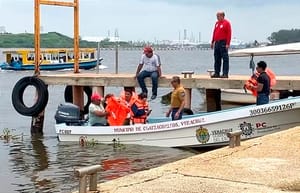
[[68, 113]]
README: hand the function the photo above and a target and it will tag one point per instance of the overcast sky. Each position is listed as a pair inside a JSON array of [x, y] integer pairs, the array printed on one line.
[[156, 19]]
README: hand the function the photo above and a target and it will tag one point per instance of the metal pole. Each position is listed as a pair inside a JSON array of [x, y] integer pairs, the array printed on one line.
[[98, 57], [117, 58]]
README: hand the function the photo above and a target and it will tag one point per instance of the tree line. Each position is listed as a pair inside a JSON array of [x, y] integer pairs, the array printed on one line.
[[49, 40], [57, 40], [285, 36]]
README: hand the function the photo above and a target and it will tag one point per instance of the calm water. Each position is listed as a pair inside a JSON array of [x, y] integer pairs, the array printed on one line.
[[45, 165]]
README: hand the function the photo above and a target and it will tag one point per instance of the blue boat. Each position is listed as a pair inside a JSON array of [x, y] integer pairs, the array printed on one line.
[[52, 59]]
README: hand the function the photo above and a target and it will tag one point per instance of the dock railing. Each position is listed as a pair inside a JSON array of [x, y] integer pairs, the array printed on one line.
[[83, 173]]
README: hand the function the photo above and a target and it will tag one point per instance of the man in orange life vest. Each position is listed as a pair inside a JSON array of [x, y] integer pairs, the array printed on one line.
[[220, 43], [263, 84], [140, 109], [128, 100]]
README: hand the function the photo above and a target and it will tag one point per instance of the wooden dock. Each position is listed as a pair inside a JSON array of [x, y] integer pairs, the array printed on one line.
[[196, 81], [82, 81]]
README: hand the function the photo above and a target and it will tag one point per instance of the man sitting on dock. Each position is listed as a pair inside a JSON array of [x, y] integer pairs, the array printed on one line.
[[97, 113], [150, 63]]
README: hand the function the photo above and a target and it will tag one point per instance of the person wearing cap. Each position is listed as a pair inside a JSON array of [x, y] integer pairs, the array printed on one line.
[[149, 66], [97, 113], [177, 99]]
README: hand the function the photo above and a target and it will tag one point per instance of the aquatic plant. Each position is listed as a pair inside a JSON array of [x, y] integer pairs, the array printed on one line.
[[8, 135], [84, 142], [117, 144]]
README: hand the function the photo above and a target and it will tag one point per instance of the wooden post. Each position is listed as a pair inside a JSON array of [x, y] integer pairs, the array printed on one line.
[[37, 124], [76, 36], [234, 138], [98, 56], [117, 58], [78, 98], [213, 99], [82, 173], [99, 90], [93, 182], [37, 29], [188, 97], [188, 91], [82, 184]]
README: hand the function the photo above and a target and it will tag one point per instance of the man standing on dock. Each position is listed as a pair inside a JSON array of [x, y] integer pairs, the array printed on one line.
[[220, 43], [150, 63], [177, 99]]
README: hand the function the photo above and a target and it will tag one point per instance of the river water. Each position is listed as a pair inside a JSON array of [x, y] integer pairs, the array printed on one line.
[[42, 164]]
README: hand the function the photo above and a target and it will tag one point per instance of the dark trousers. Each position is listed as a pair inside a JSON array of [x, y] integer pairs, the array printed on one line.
[[262, 99], [220, 52], [174, 111], [141, 80]]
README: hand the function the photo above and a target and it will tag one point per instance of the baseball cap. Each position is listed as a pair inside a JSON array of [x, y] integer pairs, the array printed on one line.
[[95, 96], [148, 49]]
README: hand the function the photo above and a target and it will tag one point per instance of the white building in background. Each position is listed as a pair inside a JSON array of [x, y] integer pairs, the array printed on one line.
[[237, 44], [99, 39], [2, 30]]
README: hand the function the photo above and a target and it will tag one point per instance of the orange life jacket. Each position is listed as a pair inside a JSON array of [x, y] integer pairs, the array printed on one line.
[[141, 105], [118, 111], [253, 81], [133, 97]]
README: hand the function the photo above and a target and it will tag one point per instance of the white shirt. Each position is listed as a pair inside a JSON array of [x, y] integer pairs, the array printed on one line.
[[93, 118], [150, 64]]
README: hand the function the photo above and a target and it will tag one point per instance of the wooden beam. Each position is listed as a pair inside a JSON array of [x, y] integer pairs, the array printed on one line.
[[57, 3], [76, 36], [198, 81], [37, 29]]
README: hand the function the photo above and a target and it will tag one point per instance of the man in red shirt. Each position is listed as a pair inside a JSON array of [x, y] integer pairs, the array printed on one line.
[[220, 43]]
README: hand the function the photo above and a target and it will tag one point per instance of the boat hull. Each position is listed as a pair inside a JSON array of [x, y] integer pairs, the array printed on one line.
[[237, 96], [86, 65], [208, 129]]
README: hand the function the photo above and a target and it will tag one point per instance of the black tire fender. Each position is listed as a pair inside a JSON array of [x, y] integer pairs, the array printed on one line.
[[18, 92], [69, 96], [187, 111]]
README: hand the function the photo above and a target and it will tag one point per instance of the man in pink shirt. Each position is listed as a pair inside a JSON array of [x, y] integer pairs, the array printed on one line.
[[220, 43]]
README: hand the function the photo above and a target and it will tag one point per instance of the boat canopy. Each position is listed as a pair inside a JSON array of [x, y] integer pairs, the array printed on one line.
[[282, 49]]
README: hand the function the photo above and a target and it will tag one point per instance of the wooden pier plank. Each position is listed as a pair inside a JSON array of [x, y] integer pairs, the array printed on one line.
[[197, 81]]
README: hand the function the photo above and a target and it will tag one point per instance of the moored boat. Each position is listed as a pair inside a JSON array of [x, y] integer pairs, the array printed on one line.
[[207, 129], [51, 59], [237, 96]]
